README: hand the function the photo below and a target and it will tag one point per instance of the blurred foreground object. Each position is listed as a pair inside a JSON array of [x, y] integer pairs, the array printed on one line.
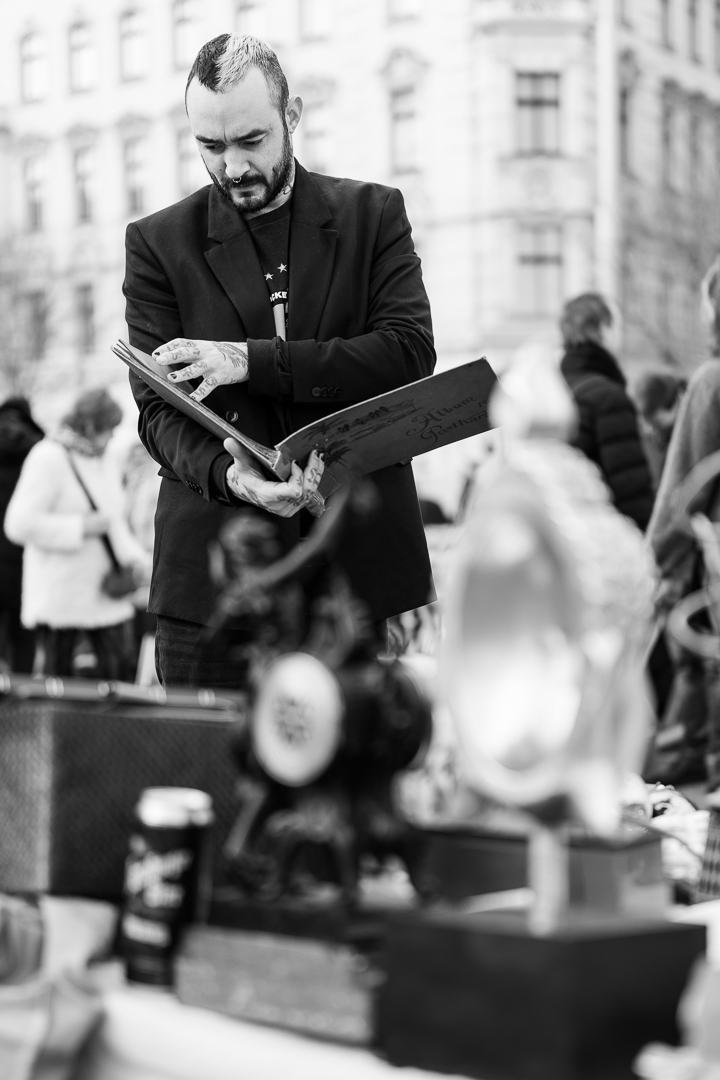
[[48, 1004], [687, 747], [331, 724], [703, 640], [319, 850], [548, 624]]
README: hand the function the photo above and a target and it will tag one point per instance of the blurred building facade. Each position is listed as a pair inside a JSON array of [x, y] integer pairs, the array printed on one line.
[[544, 147]]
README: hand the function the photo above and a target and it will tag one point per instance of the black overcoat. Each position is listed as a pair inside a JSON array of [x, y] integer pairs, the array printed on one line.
[[358, 322]]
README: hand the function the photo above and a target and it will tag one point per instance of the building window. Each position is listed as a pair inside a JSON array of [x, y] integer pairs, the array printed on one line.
[[33, 67], [35, 328], [692, 20], [250, 18], [668, 164], [315, 19], [403, 9], [666, 23], [540, 265], [694, 147], [186, 32], [625, 129], [83, 66], [135, 173], [316, 135], [133, 45], [538, 113], [85, 309], [403, 123], [83, 162], [34, 176]]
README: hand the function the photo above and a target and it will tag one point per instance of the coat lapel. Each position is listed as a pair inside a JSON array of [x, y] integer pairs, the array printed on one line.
[[235, 264], [311, 258]]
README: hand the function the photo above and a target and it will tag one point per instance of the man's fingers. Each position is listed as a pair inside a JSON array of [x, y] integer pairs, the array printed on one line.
[[313, 473], [179, 356], [206, 387], [295, 481], [177, 349], [190, 372], [236, 449]]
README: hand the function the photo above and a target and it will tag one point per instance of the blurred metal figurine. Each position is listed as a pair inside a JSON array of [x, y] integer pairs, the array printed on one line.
[[547, 628], [330, 724]]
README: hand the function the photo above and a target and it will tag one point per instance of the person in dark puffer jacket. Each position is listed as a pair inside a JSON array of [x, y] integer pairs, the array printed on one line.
[[608, 431]]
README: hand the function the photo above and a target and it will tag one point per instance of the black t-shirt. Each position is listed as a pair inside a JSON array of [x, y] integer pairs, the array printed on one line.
[[271, 236]]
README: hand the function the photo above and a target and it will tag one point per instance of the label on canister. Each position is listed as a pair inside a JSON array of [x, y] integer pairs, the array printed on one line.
[[162, 878]]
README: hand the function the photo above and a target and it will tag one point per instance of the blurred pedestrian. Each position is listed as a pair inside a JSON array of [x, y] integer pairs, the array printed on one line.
[[658, 395], [18, 435], [608, 431], [688, 742], [78, 569]]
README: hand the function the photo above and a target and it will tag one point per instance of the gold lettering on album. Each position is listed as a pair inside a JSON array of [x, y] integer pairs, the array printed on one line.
[[431, 425]]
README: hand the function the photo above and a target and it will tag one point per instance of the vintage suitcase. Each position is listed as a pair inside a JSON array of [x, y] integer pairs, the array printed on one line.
[[74, 757]]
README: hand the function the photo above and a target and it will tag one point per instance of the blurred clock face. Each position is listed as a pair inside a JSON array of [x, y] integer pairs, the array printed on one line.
[[297, 719]]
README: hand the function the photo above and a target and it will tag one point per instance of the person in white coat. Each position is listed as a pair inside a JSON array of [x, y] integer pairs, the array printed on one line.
[[67, 505]]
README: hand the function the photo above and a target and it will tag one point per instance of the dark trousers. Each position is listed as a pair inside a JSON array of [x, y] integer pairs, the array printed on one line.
[[185, 657], [17, 645], [105, 652]]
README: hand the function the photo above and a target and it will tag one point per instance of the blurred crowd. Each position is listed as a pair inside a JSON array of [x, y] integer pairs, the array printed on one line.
[[76, 546]]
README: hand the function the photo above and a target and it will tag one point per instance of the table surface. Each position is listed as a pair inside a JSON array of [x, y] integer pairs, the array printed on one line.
[[148, 1034]]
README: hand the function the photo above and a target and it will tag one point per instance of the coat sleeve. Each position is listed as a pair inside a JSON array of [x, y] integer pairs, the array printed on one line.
[[696, 435], [194, 455], [621, 456], [397, 346], [31, 517]]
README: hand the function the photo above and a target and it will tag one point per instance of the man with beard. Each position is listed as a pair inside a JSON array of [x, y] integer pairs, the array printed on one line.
[[289, 295]]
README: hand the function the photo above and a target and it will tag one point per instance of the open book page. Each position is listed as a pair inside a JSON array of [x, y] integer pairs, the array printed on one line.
[[398, 425], [362, 438], [177, 394]]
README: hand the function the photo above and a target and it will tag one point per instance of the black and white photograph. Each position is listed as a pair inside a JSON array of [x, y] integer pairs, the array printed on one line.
[[360, 539]]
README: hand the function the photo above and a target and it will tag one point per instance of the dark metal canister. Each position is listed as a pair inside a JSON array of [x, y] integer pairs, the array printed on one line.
[[167, 879]]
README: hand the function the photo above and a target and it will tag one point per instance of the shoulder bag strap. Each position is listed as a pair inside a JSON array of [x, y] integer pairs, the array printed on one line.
[[93, 506]]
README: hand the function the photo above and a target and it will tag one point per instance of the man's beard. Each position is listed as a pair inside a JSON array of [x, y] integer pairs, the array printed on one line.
[[270, 189]]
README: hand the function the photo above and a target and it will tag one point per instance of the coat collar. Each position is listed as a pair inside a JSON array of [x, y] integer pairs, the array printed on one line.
[[312, 252]]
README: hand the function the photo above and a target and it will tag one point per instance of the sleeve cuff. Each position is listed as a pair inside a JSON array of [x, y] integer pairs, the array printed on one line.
[[269, 373], [219, 488]]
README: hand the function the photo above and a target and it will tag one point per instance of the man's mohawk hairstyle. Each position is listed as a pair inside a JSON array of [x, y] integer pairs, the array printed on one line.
[[223, 62]]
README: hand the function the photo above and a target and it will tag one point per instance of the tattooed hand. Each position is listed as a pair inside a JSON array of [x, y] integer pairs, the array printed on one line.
[[220, 362], [246, 480]]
